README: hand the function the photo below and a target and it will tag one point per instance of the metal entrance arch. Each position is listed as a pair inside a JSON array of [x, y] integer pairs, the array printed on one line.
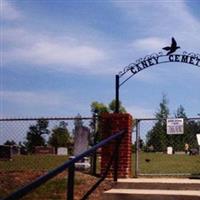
[[141, 64], [151, 60]]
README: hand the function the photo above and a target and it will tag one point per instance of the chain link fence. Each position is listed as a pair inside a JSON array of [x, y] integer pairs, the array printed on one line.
[[159, 153], [34, 142], [33, 146]]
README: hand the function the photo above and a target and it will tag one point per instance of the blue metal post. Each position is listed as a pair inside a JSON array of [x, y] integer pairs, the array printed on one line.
[[70, 184]]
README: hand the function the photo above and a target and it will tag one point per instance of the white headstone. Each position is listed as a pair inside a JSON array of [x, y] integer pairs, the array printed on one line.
[[198, 138], [169, 150], [62, 151]]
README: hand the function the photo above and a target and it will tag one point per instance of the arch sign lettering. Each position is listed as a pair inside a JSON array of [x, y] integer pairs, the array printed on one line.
[[168, 56]]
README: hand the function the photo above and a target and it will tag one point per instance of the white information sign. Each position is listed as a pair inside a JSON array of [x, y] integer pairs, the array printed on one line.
[[198, 138], [175, 126]]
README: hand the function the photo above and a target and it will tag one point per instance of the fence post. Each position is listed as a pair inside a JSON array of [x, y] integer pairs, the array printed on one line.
[[70, 184], [137, 147], [94, 158]]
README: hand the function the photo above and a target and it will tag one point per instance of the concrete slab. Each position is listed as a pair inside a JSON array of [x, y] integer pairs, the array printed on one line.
[[159, 183], [159, 180], [149, 192], [131, 194]]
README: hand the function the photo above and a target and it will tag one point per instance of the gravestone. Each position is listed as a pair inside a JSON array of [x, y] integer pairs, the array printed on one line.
[[44, 150], [62, 151], [193, 151], [81, 142], [169, 150], [5, 152]]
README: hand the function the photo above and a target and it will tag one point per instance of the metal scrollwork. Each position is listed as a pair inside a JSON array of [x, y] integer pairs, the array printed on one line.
[[169, 55], [155, 58], [129, 67]]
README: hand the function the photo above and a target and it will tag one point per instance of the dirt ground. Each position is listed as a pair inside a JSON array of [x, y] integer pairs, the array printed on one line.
[[10, 181]]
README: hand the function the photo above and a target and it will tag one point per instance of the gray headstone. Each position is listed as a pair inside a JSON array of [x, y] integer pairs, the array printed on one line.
[[5, 152], [62, 151], [81, 142]]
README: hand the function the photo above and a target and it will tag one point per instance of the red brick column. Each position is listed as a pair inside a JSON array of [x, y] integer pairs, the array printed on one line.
[[109, 125]]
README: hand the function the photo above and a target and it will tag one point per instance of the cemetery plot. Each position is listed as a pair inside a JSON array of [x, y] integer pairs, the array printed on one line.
[[38, 158], [164, 164], [168, 147], [34, 138]]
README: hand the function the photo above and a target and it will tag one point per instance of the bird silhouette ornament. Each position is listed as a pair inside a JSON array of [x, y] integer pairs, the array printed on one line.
[[172, 48]]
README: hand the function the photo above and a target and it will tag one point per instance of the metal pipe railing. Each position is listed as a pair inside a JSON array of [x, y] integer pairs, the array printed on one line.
[[69, 164]]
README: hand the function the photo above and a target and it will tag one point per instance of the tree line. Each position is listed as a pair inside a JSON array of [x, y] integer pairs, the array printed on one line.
[[39, 134], [156, 138]]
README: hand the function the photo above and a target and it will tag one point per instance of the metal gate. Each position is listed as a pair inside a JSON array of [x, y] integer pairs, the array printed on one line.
[[160, 154]]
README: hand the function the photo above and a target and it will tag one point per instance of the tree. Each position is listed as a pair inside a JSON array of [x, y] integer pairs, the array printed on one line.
[[112, 106], [180, 112], [99, 108], [180, 140], [10, 142], [60, 136], [163, 111], [191, 128], [157, 136], [35, 135]]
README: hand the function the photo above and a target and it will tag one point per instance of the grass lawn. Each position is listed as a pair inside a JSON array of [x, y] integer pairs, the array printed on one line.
[[159, 163], [32, 162], [23, 169]]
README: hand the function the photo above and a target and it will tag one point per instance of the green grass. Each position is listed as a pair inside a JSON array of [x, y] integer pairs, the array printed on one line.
[[159, 163], [167, 164], [32, 162]]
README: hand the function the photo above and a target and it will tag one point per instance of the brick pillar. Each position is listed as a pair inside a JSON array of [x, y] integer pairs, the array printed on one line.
[[109, 125]]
